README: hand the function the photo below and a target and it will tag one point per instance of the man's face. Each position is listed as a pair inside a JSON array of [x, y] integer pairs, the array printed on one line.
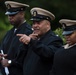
[[41, 27], [15, 19], [71, 39]]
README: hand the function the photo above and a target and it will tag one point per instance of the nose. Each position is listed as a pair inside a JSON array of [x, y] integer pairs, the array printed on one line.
[[35, 24], [10, 17]]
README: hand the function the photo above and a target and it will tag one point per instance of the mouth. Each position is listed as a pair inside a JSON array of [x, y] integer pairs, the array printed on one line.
[[68, 41], [36, 30]]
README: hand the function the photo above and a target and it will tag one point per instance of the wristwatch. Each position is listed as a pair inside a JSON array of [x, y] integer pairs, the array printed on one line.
[[9, 61]]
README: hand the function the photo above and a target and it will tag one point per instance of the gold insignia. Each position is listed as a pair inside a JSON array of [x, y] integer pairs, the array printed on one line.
[[34, 13], [8, 6]]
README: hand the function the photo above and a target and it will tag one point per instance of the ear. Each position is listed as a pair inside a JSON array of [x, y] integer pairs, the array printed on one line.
[[48, 25], [22, 13]]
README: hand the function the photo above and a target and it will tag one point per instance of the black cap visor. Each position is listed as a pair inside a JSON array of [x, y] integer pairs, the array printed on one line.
[[11, 13], [67, 33]]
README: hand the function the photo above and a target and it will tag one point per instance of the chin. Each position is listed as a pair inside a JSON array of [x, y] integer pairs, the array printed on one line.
[[37, 32], [71, 43], [11, 23]]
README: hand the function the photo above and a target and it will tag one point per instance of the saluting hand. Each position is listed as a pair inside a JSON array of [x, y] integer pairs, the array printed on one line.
[[33, 36], [24, 38]]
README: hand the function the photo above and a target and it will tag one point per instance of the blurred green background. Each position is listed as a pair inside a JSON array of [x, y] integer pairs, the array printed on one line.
[[62, 9]]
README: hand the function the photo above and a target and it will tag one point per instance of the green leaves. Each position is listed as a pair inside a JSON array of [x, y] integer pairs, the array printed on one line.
[[58, 32]]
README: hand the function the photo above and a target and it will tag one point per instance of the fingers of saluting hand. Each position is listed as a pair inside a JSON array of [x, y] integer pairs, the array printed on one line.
[[24, 38], [33, 36], [20, 35]]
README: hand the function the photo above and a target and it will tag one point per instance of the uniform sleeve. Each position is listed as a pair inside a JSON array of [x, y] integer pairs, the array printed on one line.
[[45, 51], [75, 73], [18, 61], [2, 43]]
